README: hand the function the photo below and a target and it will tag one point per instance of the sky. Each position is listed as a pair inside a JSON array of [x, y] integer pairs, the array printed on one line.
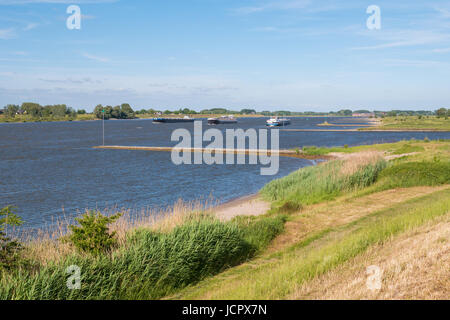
[[297, 55]]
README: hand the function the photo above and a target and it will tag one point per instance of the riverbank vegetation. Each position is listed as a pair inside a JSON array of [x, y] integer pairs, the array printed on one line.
[[324, 242], [438, 122], [396, 119], [136, 262], [322, 218], [320, 183]]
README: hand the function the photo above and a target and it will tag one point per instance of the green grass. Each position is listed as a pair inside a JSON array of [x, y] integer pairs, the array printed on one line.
[[413, 123], [404, 146], [259, 231], [412, 174], [315, 184], [28, 118], [153, 265], [408, 148], [279, 275], [150, 265]]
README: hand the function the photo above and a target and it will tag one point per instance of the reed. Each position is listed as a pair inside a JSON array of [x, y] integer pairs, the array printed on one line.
[[156, 255], [324, 182]]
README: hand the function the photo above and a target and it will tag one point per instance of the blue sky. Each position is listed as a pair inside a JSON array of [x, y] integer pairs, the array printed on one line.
[[288, 54]]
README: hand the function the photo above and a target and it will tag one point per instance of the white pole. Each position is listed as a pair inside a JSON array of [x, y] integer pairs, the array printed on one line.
[[103, 127]]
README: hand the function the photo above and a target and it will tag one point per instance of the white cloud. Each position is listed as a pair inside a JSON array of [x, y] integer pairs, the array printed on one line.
[[96, 58], [275, 5], [7, 33], [415, 63], [441, 50], [30, 26], [404, 38], [444, 12]]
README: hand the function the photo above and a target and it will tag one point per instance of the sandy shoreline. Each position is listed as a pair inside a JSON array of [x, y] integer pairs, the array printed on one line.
[[251, 205]]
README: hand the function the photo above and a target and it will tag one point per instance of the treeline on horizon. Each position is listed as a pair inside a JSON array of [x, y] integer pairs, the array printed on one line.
[[125, 111], [62, 111]]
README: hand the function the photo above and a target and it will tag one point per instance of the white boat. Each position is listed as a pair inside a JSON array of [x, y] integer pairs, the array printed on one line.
[[278, 122], [222, 120], [171, 120]]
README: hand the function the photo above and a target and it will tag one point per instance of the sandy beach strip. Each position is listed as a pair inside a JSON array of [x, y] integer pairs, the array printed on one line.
[[251, 205]]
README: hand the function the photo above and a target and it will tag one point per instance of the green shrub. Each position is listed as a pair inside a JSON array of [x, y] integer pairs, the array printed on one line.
[[315, 184], [259, 231], [93, 236], [9, 249], [411, 174], [151, 264]]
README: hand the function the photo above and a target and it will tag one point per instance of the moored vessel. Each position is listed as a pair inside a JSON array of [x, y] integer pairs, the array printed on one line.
[[173, 120], [277, 122], [222, 120]]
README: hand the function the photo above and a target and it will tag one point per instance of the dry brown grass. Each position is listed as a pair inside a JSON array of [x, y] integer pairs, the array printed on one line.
[[415, 265], [342, 211], [355, 161], [45, 246]]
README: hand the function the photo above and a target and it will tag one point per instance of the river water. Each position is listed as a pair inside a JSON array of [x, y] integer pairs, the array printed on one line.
[[50, 169]]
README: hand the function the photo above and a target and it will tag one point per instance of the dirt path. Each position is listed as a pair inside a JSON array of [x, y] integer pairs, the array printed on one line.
[[345, 210], [415, 265]]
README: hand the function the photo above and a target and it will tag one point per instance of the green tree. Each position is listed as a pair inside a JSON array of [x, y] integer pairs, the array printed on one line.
[[117, 113], [11, 110], [98, 112], [93, 235], [9, 249], [31, 108], [59, 110], [345, 112], [127, 110], [392, 114], [442, 112], [248, 111]]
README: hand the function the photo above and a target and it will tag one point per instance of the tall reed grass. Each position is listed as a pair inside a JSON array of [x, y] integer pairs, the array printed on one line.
[[154, 257], [324, 182]]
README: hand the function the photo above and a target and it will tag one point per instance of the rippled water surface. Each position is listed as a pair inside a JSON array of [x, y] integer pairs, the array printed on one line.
[[47, 169]]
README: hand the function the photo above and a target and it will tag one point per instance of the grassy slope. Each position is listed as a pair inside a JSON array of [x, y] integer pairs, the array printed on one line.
[[329, 235], [407, 274], [413, 123], [25, 118]]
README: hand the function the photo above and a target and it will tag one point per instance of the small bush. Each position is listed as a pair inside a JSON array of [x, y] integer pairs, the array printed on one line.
[[93, 236], [9, 249], [411, 174]]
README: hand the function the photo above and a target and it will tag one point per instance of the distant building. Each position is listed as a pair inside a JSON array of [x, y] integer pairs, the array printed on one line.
[[364, 115]]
